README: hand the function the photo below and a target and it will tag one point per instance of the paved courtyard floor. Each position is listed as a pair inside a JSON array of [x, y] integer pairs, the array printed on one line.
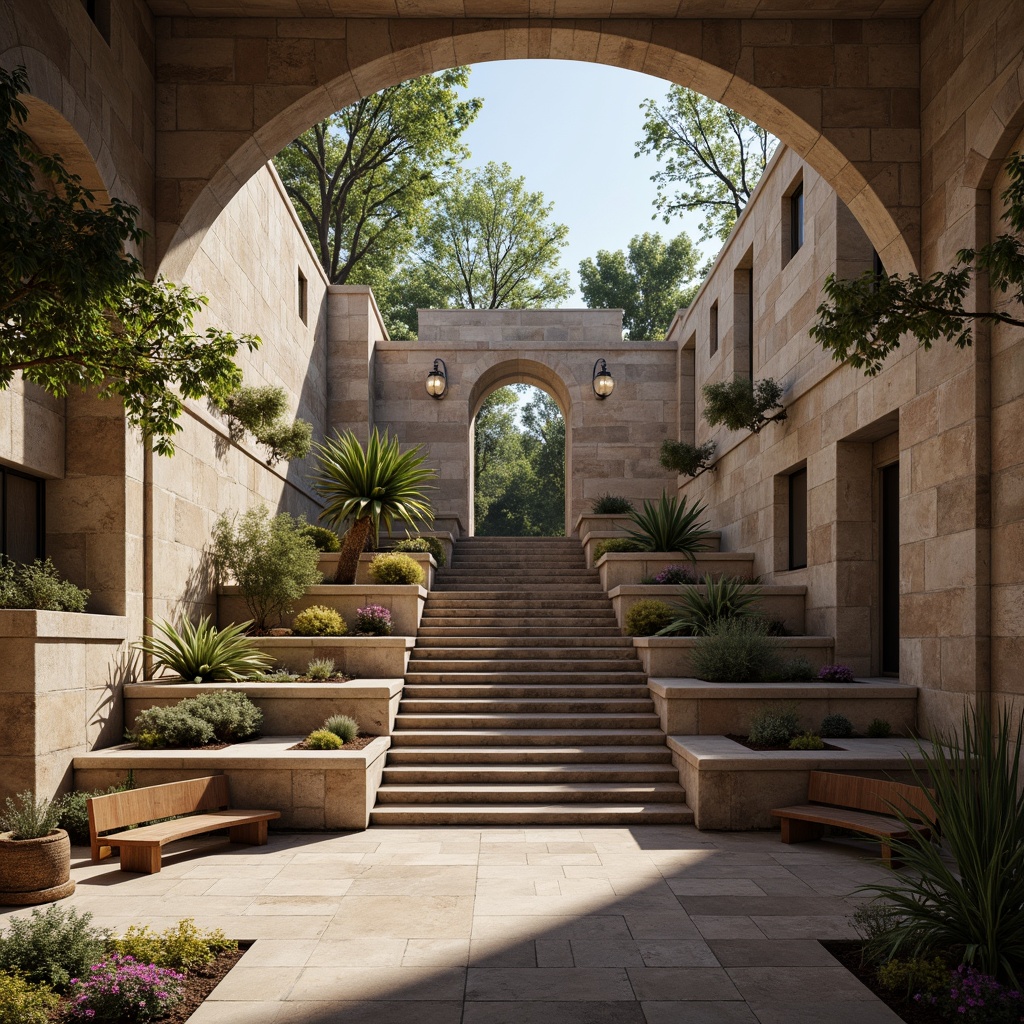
[[645, 925]]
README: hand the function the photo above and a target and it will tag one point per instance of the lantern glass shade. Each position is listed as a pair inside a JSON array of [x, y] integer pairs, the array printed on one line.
[[602, 380], [437, 381]]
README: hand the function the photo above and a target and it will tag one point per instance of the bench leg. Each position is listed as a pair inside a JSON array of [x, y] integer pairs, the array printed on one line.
[[795, 831], [253, 834], [144, 859]]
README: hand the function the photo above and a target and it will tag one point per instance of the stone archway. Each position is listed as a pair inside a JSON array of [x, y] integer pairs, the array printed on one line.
[[231, 101]]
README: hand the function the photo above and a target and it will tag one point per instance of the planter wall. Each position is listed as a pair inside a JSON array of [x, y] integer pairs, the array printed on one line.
[[313, 789], [629, 568], [287, 707], [785, 604], [424, 559], [60, 694], [404, 602], [671, 656], [600, 532], [365, 657]]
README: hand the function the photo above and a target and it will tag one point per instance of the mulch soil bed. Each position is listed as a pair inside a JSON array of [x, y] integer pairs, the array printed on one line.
[[848, 953], [357, 744], [744, 742]]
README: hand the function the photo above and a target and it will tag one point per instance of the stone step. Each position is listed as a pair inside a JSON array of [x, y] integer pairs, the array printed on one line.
[[459, 706], [534, 571], [484, 602], [484, 642], [508, 774], [438, 755], [503, 664], [500, 586], [533, 814], [518, 654], [524, 720], [537, 793], [517, 737], [457, 692], [553, 562], [528, 678], [466, 629]]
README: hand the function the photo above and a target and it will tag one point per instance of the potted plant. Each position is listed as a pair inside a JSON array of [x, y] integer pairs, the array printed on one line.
[[35, 855]]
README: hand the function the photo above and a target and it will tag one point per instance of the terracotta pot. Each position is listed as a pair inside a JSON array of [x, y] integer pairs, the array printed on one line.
[[35, 870]]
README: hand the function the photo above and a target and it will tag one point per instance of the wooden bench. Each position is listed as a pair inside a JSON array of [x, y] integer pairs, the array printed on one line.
[[205, 801], [859, 804]]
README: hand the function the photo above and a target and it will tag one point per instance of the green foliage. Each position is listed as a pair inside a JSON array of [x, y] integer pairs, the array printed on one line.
[[76, 310], [262, 411], [221, 716], [396, 568], [325, 540], [774, 725], [712, 156], [789, 670], [968, 892], [322, 739], [647, 617], [51, 947], [737, 650], [488, 243], [879, 729], [648, 282], [172, 728], [670, 525], [914, 974], [202, 653], [74, 814], [610, 505], [370, 486], [743, 404], [617, 546], [279, 675], [22, 1002], [807, 741], [345, 728], [704, 606], [862, 321], [38, 585], [432, 545], [319, 620], [269, 558], [688, 459], [27, 818], [183, 947], [321, 668], [836, 727]]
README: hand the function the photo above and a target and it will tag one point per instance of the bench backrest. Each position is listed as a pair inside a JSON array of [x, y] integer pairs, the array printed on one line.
[[877, 796], [119, 810]]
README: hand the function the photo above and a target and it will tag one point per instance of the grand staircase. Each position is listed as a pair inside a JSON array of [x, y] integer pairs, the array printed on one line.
[[523, 702]]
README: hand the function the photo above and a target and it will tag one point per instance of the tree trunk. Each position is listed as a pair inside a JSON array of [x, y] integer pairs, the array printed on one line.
[[351, 548]]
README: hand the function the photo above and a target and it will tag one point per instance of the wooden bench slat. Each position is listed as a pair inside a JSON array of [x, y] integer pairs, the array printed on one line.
[[181, 828], [874, 824]]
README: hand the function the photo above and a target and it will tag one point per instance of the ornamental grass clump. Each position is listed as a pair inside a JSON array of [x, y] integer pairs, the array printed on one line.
[[28, 818], [670, 525], [25, 1002], [120, 989], [737, 650], [807, 741], [321, 668], [202, 653], [374, 620], [647, 617], [344, 727], [611, 505], [701, 608], [391, 568], [319, 620], [51, 947]]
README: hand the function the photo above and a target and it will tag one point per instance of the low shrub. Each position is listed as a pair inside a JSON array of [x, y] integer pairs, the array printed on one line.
[[322, 739], [836, 674], [74, 812], [121, 989], [736, 650], [647, 617], [432, 545], [807, 741], [319, 620], [374, 620], [674, 574], [773, 726], [776, 627], [279, 675], [202, 653], [197, 721], [345, 728], [792, 670], [615, 546], [170, 727], [51, 947], [977, 998], [879, 729], [914, 975], [320, 668], [325, 540], [22, 1002], [183, 947], [836, 727], [395, 568], [38, 585], [25, 817], [611, 505]]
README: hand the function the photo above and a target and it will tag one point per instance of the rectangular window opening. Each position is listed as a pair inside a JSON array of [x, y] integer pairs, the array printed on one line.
[[713, 329], [99, 14], [798, 519], [303, 297], [796, 219], [22, 516]]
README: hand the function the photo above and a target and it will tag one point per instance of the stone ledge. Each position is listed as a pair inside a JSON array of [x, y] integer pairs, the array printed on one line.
[[47, 625], [785, 603], [366, 657], [671, 656], [630, 567]]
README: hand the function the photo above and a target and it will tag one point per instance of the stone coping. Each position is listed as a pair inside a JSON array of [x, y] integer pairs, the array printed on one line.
[[671, 557], [358, 642], [672, 589], [367, 590], [352, 688], [686, 642], [261, 753], [701, 689], [33, 622], [719, 753]]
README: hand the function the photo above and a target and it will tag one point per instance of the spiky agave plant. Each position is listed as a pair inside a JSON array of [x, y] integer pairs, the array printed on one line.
[[370, 486], [670, 525], [713, 601], [202, 653]]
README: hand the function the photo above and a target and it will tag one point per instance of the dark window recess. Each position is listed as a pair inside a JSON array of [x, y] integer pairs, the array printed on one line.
[[796, 219], [99, 14], [303, 292], [22, 520], [798, 519], [750, 323], [713, 329], [889, 544], [877, 269]]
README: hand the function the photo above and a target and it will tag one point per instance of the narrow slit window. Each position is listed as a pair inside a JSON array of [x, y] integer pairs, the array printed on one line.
[[713, 329], [22, 519], [750, 322], [798, 519], [796, 219], [303, 293]]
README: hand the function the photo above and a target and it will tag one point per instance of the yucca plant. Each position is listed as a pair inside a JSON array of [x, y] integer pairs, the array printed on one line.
[[202, 653], [713, 601], [965, 892], [370, 486], [670, 525]]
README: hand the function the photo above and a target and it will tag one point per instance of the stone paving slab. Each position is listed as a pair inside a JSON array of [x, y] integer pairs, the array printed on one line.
[[618, 925]]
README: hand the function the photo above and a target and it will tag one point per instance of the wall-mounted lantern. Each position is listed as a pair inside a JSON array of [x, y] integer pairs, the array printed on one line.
[[602, 379], [437, 380]]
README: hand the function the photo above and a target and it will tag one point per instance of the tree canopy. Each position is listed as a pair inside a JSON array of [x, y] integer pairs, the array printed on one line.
[[649, 282], [713, 158], [75, 310]]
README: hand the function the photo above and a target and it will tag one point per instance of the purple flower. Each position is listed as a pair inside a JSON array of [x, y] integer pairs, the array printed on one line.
[[374, 619], [836, 674]]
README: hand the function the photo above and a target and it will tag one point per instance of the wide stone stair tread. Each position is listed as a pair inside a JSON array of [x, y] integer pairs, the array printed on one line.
[[536, 678], [534, 793], [456, 653], [521, 665], [416, 691], [607, 643], [532, 814], [508, 774], [527, 737], [528, 706], [514, 720], [573, 632], [469, 755]]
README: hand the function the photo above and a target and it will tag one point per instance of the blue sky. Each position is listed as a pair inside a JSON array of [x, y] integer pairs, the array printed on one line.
[[570, 129]]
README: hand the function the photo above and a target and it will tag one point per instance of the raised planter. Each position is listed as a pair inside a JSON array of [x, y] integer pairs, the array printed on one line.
[[696, 707], [785, 604], [287, 707], [313, 789], [673, 655], [328, 565], [35, 870], [60, 694], [629, 567], [365, 657], [404, 602], [732, 788], [594, 537]]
